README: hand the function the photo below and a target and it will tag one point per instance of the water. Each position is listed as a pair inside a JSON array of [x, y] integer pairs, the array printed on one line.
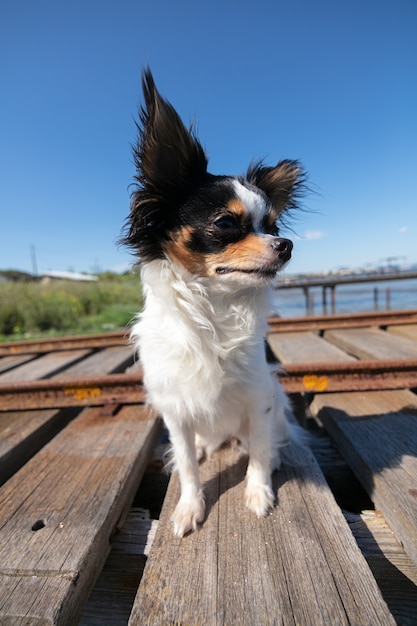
[[353, 298]]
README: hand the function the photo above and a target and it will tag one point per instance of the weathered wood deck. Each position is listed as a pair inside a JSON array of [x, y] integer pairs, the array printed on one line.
[[82, 538]]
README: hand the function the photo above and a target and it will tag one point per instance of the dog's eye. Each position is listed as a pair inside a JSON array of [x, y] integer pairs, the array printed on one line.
[[226, 222], [274, 231]]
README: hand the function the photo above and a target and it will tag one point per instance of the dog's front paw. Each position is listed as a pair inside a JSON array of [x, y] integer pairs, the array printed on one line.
[[259, 498], [187, 514]]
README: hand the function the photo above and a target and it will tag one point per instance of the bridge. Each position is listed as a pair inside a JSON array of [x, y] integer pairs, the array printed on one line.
[[330, 282]]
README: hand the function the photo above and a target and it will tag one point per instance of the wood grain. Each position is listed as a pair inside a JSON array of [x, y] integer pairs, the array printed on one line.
[[112, 598], [299, 565], [58, 513], [372, 343], [23, 433], [304, 347], [408, 330], [376, 432], [45, 366], [393, 569], [9, 362], [109, 361]]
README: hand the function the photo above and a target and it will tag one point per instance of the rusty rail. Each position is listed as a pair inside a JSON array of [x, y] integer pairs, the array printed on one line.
[[369, 375], [40, 346], [276, 325], [128, 388], [64, 392], [345, 320]]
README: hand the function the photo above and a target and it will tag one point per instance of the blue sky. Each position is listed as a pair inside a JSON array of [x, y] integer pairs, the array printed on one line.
[[330, 82]]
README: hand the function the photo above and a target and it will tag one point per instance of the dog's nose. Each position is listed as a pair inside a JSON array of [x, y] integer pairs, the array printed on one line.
[[283, 247]]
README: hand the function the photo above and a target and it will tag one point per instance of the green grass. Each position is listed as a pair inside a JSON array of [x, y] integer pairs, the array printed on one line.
[[32, 309]]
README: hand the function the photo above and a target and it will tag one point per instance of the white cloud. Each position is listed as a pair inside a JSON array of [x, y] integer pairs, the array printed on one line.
[[403, 229], [313, 234]]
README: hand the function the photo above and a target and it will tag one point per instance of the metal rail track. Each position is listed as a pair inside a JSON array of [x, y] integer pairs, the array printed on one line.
[[41, 346], [380, 319], [65, 392], [276, 325], [116, 389]]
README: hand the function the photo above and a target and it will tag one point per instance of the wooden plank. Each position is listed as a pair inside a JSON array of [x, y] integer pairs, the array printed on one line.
[[299, 565], [23, 433], [376, 539], [409, 330], [372, 343], [59, 512], [109, 361], [376, 432], [112, 598], [9, 362], [394, 571], [304, 347], [44, 366]]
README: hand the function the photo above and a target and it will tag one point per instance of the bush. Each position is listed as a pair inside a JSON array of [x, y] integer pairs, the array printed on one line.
[[12, 320], [65, 306], [58, 310]]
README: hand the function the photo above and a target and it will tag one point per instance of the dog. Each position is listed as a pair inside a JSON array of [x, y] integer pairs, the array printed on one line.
[[209, 249]]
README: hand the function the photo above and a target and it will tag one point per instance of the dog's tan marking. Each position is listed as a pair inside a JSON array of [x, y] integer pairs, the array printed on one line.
[[252, 252], [178, 250], [237, 207]]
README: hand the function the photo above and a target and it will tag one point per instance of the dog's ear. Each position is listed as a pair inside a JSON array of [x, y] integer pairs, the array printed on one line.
[[168, 157], [283, 184], [169, 162]]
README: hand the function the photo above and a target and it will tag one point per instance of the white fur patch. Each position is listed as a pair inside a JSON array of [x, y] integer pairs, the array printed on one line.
[[253, 202], [202, 349]]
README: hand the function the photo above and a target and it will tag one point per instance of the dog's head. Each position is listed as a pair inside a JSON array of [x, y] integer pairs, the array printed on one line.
[[220, 227]]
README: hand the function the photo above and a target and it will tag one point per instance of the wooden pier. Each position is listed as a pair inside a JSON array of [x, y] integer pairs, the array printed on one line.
[[328, 285], [84, 540]]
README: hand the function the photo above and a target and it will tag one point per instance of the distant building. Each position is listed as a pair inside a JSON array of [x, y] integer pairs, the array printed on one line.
[[58, 275]]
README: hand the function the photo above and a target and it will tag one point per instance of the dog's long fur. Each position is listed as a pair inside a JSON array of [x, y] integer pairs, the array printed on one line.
[[209, 248]]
